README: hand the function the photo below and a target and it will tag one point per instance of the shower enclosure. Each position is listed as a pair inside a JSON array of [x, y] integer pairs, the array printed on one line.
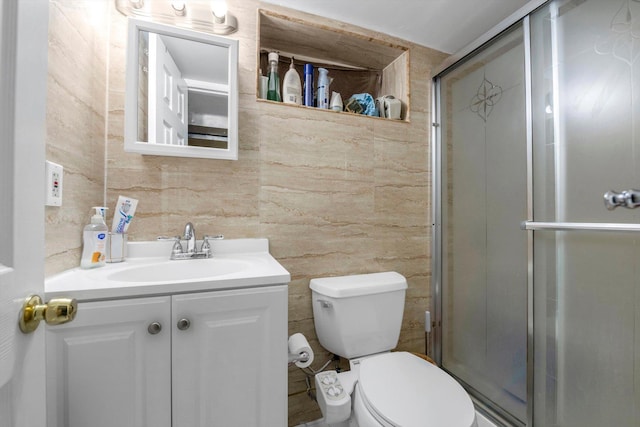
[[536, 242]]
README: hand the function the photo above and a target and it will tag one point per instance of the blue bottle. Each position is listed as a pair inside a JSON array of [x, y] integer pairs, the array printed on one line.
[[308, 85]]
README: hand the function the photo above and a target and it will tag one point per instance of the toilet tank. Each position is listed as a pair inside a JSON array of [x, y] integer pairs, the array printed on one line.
[[358, 315]]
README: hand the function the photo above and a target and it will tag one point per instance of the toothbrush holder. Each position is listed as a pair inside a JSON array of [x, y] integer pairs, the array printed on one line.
[[116, 247]]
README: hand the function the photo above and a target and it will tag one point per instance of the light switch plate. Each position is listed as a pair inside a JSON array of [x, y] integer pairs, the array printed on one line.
[[53, 185]]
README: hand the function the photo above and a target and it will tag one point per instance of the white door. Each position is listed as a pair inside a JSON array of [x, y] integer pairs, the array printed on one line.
[[167, 96], [586, 142], [23, 80]]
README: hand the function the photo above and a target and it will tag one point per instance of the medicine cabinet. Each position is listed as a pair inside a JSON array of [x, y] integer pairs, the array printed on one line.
[[357, 63], [181, 92]]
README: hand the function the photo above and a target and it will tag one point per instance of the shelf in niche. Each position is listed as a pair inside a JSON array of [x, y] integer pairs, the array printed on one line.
[[357, 62], [328, 111]]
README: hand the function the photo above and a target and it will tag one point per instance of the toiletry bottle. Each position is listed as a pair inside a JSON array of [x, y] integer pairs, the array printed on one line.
[[273, 91], [336, 102], [323, 88], [308, 85], [291, 86], [263, 84], [94, 239]]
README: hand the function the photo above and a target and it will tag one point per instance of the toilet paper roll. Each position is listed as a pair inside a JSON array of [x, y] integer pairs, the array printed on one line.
[[298, 344]]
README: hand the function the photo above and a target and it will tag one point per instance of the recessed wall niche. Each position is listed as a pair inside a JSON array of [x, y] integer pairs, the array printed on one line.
[[357, 64]]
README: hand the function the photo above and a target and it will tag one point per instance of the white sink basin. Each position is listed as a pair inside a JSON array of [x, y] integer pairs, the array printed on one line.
[[236, 264], [180, 271]]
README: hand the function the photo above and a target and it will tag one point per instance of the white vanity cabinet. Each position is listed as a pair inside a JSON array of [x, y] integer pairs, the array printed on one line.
[[199, 359], [230, 365], [106, 369]]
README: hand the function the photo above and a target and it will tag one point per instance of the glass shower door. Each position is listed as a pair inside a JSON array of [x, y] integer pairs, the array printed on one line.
[[586, 110], [484, 199]]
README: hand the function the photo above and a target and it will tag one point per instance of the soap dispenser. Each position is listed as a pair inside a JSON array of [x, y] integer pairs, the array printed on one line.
[[94, 240]]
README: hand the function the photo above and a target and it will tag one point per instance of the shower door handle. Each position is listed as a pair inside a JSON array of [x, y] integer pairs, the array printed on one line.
[[627, 198]]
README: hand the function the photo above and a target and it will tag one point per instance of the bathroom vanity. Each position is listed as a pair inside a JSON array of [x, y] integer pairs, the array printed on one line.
[[151, 348]]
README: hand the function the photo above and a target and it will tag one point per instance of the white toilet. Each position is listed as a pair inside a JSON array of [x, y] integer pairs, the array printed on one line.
[[359, 318]]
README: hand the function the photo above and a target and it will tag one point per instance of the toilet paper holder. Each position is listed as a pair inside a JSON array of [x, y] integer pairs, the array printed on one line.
[[302, 357], [300, 352]]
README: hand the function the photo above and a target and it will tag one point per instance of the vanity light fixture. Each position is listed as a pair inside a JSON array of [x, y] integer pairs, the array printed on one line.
[[209, 16], [223, 21], [179, 7]]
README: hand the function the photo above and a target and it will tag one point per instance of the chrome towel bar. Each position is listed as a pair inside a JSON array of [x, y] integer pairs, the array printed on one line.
[[578, 226]]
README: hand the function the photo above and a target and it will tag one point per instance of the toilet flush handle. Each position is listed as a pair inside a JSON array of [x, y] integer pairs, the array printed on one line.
[[325, 304]]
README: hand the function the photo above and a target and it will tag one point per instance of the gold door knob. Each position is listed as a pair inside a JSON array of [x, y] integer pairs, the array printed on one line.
[[55, 312]]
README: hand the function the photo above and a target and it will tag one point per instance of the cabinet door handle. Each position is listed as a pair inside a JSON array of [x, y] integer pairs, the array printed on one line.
[[183, 324], [154, 328]]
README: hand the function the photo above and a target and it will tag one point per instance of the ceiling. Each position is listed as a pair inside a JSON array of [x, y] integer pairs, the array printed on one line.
[[445, 25]]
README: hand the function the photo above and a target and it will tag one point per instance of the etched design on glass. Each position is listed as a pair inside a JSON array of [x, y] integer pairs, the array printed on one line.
[[624, 40], [487, 96]]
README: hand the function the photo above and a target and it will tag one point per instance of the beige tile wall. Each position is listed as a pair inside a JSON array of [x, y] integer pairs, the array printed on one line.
[[76, 111], [335, 194]]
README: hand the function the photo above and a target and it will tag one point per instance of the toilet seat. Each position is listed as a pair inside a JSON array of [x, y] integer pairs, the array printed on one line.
[[402, 390]]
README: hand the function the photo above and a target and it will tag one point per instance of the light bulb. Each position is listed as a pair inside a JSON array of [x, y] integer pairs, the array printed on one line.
[[179, 7], [219, 10]]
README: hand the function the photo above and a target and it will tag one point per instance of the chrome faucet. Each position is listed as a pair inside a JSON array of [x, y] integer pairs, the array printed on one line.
[[192, 252], [190, 237]]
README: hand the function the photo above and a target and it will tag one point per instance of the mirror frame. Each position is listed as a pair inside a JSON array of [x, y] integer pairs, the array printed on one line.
[[131, 143]]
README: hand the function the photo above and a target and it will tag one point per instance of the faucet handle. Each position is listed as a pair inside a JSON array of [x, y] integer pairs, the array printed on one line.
[[206, 246], [177, 246]]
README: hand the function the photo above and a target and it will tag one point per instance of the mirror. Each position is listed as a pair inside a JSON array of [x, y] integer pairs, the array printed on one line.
[[181, 92]]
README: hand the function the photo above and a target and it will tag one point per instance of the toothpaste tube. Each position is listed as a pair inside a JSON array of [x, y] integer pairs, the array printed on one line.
[[124, 212]]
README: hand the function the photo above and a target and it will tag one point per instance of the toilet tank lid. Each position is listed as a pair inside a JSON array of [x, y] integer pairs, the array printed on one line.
[[359, 284]]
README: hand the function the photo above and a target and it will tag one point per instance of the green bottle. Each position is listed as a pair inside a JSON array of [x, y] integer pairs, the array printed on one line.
[[273, 86]]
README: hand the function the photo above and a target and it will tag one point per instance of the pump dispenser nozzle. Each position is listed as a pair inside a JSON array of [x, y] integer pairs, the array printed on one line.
[[101, 211]]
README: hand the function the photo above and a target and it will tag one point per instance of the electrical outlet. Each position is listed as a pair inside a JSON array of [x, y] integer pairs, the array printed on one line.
[[53, 185]]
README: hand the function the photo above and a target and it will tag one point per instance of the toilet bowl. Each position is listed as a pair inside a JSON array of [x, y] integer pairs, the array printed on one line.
[[359, 318], [402, 390]]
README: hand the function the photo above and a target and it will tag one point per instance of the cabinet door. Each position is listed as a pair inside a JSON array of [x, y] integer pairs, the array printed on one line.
[[106, 369], [230, 364]]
